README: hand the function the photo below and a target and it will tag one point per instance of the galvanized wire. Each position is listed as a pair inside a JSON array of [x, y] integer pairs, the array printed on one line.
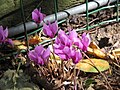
[[55, 8], [24, 20], [117, 10]]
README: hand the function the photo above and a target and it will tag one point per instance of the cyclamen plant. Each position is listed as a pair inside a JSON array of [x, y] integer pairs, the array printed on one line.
[[50, 29], [4, 35], [37, 16], [69, 46], [66, 46], [39, 55], [85, 41]]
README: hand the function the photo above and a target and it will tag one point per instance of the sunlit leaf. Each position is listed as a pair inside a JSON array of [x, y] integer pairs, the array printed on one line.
[[96, 52], [19, 45], [35, 40], [55, 58], [86, 65], [93, 45]]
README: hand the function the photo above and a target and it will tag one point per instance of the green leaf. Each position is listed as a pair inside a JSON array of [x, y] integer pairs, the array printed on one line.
[[87, 66]]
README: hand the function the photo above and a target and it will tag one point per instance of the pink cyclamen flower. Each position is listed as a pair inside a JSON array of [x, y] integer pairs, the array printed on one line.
[[39, 55], [50, 29], [4, 35], [73, 35], [76, 56], [62, 46], [85, 41], [37, 16]]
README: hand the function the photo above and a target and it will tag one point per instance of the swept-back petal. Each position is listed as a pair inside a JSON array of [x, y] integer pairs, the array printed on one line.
[[86, 41], [35, 17], [64, 39], [32, 55], [39, 50], [47, 31], [77, 42], [40, 61], [41, 16], [63, 56], [36, 11], [88, 36], [6, 32], [54, 27], [46, 54], [2, 37], [76, 56], [1, 27], [73, 34], [58, 51], [67, 51]]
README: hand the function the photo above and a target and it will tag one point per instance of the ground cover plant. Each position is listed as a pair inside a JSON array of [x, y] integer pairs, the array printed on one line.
[[71, 61]]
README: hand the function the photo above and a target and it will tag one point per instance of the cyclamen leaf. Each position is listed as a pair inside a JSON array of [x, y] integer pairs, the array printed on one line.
[[86, 66]]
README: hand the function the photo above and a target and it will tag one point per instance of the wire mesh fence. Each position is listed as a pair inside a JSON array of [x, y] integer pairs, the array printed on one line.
[[116, 18]]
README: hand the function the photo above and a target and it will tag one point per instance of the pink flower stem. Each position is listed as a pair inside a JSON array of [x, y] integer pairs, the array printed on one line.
[[75, 85], [62, 69]]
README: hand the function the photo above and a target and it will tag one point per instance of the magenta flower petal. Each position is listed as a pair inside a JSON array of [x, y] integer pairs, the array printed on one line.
[[2, 37], [58, 51], [1, 28], [85, 41], [39, 50], [32, 55], [63, 56], [9, 41], [74, 38], [76, 56], [41, 16], [89, 39], [54, 27], [40, 61], [73, 34], [78, 42], [46, 54], [47, 31], [37, 16], [86, 38], [6, 33], [64, 39], [39, 55], [50, 29], [67, 51]]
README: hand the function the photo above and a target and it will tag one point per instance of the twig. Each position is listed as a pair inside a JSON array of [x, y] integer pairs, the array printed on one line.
[[75, 84], [62, 67]]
